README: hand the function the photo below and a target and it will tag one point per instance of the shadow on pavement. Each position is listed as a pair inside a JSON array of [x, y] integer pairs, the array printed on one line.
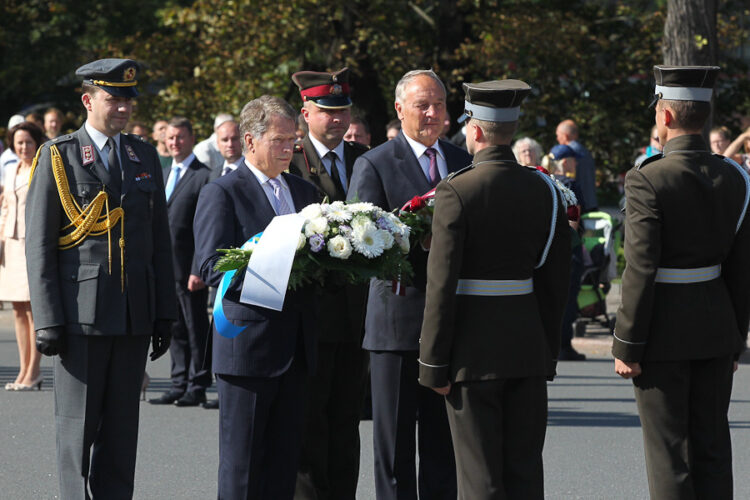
[[574, 418]]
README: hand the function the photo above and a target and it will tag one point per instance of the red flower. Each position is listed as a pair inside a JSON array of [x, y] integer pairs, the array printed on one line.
[[416, 203], [574, 212]]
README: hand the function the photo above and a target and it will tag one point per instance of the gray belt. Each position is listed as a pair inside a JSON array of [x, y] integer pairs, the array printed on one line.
[[495, 288], [685, 276]]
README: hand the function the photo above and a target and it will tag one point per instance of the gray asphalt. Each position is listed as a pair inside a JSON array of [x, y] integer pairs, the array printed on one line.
[[593, 447]]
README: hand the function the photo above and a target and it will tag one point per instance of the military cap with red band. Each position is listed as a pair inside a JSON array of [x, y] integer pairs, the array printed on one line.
[[325, 90]]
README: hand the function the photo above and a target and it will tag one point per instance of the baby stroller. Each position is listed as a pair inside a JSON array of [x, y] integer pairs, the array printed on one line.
[[600, 239]]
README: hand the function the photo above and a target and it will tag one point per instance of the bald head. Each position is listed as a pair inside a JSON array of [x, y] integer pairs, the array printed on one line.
[[567, 131]]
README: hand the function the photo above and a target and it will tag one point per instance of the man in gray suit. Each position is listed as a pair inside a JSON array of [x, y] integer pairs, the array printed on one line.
[[101, 280], [389, 176]]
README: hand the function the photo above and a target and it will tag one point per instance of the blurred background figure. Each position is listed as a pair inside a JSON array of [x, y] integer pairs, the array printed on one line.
[[35, 118], [567, 135], [739, 150], [23, 139], [9, 157], [719, 138], [459, 138], [53, 123], [392, 129], [359, 130], [653, 148], [302, 129], [159, 136], [528, 152], [138, 128], [206, 151]]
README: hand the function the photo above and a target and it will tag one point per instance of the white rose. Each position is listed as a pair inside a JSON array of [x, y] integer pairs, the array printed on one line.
[[301, 242], [339, 247], [387, 239], [319, 225], [311, 212]]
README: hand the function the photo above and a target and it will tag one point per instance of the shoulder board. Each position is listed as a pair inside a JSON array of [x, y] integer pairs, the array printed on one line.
[[459, 172], [62, 138], [648, 160], [136, 137], [357, 145]]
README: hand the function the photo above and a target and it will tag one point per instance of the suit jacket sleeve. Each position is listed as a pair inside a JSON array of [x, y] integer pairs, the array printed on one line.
[[212, 228], [366, 184], [736, 273], [166, 301], [43, 215], [642, 254], [443, 268], [195, 266], [551, 284]]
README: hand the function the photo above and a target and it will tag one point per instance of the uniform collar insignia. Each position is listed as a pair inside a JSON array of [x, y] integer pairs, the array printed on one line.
[[87, 155], [131, 153]]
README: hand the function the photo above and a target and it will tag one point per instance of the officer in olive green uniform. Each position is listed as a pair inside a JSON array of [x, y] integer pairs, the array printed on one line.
[[329, 464], [497, 281], [101, 282], [685, 293]]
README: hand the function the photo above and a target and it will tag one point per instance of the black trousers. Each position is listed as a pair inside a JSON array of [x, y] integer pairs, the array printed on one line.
[[683, 407], [97, 386], [498, 429], [260, 433], [571, 308], [189, 335], [329, 465], [397, 402]]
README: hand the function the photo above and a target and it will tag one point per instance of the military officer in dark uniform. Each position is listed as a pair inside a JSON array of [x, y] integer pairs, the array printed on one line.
[[497, 280], [329, 465], [101, 282], [685, 293]]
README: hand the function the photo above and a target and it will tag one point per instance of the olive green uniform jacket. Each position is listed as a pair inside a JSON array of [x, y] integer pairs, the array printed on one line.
[[492, 222], [682, 211]]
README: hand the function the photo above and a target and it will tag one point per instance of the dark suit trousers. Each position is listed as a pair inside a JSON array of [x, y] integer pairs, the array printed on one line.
[[97, 386], [683, 407], [397, 400], [498, 429], [260, 433], [188, 346], [329, 465]]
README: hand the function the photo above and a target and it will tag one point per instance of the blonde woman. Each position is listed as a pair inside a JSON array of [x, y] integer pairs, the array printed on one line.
[[24, 139]]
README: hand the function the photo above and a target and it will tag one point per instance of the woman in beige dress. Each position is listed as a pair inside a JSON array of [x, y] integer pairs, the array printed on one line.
[[24, 139]]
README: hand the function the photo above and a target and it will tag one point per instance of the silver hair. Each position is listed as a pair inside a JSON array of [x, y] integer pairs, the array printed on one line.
[[411, 75], [535, 147], [256, 116]]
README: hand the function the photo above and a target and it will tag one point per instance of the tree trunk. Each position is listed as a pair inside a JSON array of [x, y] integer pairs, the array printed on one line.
[[690, 33]]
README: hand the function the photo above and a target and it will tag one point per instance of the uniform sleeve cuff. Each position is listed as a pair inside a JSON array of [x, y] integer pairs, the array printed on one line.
[[632, 353], [433, 376]]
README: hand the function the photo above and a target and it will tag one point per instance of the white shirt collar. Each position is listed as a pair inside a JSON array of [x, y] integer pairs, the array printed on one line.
[[263, 178], [323, 150], [233, 165], [420, 148], [100, 139], [184, 163]]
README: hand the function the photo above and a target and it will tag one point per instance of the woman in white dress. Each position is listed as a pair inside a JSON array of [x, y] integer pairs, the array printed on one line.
[[24, 139]]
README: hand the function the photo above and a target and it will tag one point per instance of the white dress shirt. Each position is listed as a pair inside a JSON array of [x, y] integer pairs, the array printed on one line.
[[424, 161], [268, 188], [100, 140], [322, 151], [232, 166]]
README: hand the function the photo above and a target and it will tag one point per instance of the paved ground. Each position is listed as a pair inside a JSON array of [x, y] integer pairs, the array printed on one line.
[[593, 448]]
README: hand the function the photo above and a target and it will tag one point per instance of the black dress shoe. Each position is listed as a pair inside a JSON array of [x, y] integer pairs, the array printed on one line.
[[570, 354], [191, 399], [212, 404], [167, 398]]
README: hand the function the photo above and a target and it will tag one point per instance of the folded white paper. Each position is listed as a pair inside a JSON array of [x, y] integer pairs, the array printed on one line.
[[267, 274]]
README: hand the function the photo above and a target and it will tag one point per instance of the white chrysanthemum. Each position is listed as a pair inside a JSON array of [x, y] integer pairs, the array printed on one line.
[[301, 242], [365, 207], [359, 221], [339, 247], [312, 211], [338, 212], [367, 240], [403, 243], [319, 225], [387, 239]]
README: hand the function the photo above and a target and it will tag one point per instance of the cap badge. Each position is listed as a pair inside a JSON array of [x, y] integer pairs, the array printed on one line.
[[336, 89], [129, 74], [87, 155]]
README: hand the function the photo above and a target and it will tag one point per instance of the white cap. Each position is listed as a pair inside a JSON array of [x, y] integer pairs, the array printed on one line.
[[15, 120]]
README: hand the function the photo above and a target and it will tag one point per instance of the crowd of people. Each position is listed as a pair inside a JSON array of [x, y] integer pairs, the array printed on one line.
[[120, 240]]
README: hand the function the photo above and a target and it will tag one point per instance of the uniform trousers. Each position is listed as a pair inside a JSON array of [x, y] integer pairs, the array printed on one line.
[[498, 428], [188, 347], [329, 465], [397, 402], [260, 433], [683, 408], [97, 386]]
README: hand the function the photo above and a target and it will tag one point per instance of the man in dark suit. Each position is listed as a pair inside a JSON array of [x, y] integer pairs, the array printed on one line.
[[685, 292], [184, 181], [329, 465], [92, 307], [491, 327], [389, 176], [229, 143], [261, 372]]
